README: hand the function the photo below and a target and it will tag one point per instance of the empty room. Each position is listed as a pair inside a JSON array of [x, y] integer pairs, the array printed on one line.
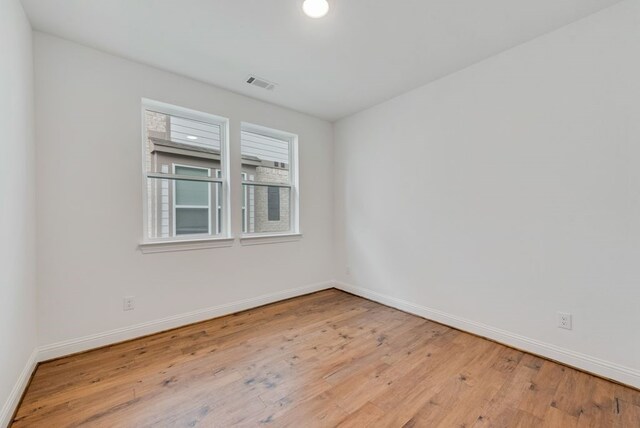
[[320, 213]]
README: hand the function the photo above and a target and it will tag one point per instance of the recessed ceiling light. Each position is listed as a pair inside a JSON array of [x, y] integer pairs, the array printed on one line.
[[315, 8], [192, 137]]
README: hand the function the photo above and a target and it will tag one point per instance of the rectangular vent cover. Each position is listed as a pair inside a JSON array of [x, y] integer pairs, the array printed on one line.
[[261, 83]]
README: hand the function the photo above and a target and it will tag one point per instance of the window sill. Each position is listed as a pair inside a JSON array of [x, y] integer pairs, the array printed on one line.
[[151, 247], [269, 239]]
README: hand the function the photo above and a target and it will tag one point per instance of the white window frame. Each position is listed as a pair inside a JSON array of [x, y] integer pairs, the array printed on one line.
[[219, 205], [187, 242], [245, 205], [209, 207], [294, 204]]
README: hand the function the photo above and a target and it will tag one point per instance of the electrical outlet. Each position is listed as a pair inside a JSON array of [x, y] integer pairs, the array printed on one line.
[[347, 270], [129, 303], [564, 320]]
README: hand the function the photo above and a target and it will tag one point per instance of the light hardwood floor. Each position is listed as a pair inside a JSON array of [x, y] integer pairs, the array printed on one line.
[[325, 359]]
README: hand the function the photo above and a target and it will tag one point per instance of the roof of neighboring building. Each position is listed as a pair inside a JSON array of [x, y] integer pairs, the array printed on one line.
[[162, 145], [253, 158], [183, 146]]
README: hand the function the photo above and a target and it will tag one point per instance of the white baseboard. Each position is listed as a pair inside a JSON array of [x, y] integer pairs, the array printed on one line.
[[588, 363], [72, 346], [16, 392]]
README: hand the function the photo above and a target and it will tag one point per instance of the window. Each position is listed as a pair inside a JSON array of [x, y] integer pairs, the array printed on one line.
[[185, 168], [269, 181], [273, 203]]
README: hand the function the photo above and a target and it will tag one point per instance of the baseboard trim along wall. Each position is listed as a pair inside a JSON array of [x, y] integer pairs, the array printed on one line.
[[16, 392], [606, 369], [85, 343]]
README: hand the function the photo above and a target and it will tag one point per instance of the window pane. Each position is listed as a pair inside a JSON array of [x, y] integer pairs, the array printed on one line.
[[179, 207], [194, 133], [172, 139], [194, 171], [192, 192], [273, 203], [264, 159], [190, 221], [267, 209]]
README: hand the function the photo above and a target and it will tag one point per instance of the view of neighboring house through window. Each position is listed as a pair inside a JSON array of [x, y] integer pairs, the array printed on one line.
[[184, 163], [186, 176], [192, 207], [269, 164]]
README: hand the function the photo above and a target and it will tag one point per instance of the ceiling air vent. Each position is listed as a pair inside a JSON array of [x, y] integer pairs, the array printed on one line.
[[261, 83]]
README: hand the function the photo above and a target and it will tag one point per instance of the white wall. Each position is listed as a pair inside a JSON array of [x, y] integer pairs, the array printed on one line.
[[90, 201], [17, 205], [506, 192]]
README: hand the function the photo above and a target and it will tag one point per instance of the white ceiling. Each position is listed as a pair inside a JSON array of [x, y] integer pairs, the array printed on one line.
[[361, 53]]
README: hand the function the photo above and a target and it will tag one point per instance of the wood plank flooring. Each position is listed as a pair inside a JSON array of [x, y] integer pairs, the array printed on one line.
[[325, 359]]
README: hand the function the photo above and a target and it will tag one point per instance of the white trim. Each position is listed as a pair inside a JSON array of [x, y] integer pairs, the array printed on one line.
[[245, 205], [150, 247], [218, 199], [257, 239], [55, 350], [591, 364], [18, 389], [294, 193]]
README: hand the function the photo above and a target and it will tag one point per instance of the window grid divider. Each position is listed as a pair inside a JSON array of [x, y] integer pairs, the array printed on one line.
[[164, 176]]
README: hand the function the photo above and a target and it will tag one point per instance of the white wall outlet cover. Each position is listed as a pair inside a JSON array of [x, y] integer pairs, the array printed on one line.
[[564, 320], [128, 303]]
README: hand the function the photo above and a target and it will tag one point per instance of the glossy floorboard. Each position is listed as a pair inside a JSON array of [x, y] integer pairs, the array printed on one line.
[[325, 359]]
